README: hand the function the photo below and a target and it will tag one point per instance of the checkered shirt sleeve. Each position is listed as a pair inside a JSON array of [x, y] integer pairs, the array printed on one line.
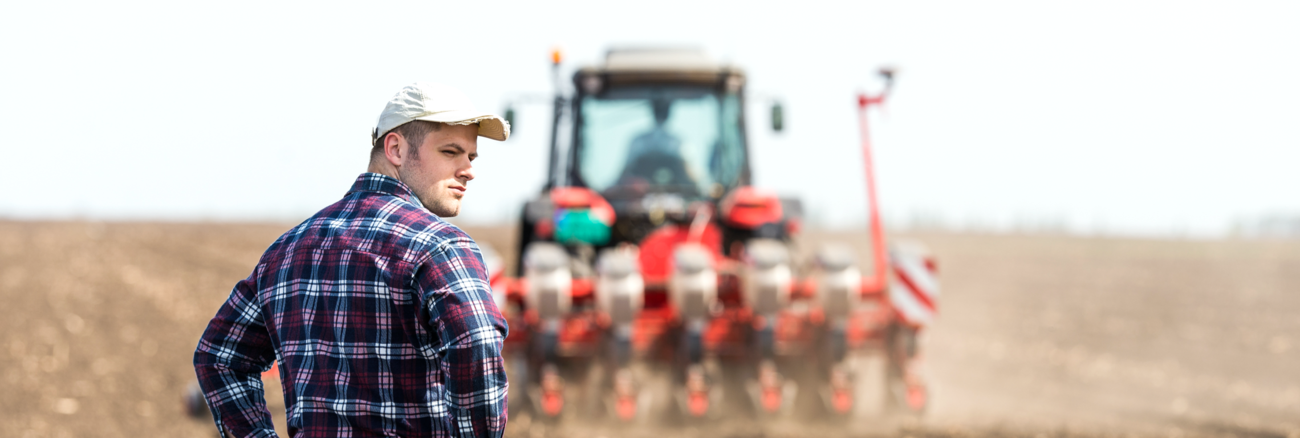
[[470, 329], [238, 350]]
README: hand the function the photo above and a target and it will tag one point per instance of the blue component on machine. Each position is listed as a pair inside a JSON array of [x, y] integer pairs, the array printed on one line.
[[574, 226]]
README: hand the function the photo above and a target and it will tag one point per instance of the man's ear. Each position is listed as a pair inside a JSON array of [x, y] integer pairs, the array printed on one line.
[[393, 148]]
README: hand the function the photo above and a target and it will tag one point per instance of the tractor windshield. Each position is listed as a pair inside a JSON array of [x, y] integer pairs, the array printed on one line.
[[663, 138]]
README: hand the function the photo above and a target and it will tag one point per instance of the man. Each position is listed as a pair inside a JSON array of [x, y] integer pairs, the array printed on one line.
[[378, 311], [657, 139], [655, 156]]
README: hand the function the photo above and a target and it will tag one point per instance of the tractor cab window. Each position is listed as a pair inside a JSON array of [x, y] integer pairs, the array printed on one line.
[[679, 139]]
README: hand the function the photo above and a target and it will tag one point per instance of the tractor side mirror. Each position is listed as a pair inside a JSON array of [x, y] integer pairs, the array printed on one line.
[[510, 117], [778, 117]]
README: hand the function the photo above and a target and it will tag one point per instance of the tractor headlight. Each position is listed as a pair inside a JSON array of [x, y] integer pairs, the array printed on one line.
[[620, 290], [839, 288], [546, 268], [694, 283], [767, 277]]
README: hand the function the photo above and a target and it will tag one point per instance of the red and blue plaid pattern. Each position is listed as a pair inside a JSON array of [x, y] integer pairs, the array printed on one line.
[[382, 320]]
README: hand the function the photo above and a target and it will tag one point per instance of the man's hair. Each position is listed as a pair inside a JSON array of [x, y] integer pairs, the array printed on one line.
[[414, 133]]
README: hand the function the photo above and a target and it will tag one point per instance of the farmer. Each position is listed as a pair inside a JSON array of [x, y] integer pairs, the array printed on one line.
[[657, 139], [378, 311]]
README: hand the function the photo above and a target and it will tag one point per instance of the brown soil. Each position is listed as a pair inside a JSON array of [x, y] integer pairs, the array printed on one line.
[[1038, 336]]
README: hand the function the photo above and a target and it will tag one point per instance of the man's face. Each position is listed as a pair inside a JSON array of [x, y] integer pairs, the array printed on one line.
[[438, 170]]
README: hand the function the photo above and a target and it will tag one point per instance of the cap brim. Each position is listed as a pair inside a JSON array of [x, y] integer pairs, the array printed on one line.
[[489, 125]]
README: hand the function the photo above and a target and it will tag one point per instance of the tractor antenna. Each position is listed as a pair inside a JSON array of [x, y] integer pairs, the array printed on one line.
[[551, 178]]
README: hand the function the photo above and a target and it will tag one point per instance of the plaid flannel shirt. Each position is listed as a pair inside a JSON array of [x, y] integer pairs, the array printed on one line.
[[382, 321]]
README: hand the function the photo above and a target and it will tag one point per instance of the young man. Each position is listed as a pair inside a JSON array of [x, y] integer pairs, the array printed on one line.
[[378, 311]]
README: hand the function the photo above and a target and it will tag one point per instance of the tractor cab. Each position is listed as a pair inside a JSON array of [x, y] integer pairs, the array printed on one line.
[[658, 134], [637, 133], [658, 138]]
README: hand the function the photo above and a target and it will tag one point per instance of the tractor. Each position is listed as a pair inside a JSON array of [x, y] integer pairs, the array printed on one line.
[[648, 257]]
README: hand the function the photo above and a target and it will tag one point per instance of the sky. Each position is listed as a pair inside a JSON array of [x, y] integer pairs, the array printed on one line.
[[1161, 118]]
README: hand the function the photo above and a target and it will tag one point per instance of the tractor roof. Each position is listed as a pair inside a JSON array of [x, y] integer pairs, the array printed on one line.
[[659, 64]]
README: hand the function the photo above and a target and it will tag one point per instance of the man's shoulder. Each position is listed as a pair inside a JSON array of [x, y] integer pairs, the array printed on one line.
[[374, 222], [382, 214], [439, 234]]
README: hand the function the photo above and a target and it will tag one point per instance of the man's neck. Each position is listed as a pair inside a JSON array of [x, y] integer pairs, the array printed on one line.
[[383, 168]]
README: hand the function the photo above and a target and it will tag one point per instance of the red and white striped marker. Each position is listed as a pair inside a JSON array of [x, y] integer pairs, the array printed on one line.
[[914, 293]]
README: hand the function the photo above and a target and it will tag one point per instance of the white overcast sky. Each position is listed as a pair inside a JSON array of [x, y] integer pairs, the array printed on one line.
[[1169, 117]]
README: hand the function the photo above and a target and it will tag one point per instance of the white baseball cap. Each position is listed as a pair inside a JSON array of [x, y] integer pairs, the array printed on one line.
[[436, 103]]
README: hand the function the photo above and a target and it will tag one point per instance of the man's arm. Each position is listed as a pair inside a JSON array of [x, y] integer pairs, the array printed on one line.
[[229, 361], [471, 329]]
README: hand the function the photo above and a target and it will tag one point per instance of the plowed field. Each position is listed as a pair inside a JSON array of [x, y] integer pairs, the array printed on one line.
[[1038, 335]]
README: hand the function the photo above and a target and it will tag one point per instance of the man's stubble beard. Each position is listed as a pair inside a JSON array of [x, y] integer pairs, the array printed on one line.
[[442, 206]]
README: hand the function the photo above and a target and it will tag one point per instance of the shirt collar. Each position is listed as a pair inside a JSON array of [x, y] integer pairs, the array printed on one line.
[[377, 182]]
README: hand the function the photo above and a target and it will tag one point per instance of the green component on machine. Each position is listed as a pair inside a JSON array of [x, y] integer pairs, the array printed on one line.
[[581, 226]]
